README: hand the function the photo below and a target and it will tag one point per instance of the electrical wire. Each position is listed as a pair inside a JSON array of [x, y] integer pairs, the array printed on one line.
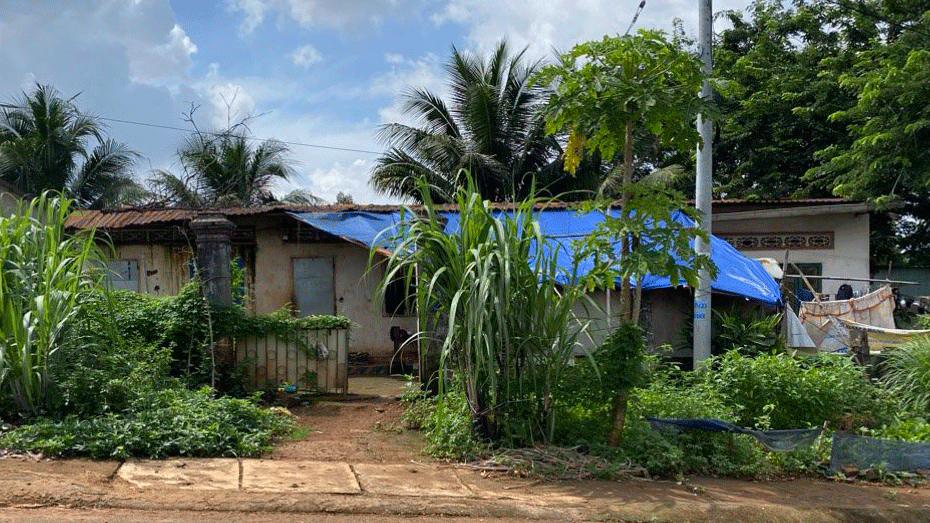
[[301, 144]]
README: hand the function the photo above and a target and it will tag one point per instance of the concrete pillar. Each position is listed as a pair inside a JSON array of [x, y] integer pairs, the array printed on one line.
[[212, 233]]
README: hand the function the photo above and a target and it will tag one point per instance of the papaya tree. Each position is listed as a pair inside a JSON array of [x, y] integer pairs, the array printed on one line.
[[602, 92]]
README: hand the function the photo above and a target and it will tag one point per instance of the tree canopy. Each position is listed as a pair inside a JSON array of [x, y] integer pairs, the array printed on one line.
[[489, 126], [225, 169], [47, 143], [829, 98]]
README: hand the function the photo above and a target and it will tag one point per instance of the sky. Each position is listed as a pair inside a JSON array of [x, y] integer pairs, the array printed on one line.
[[321, 74]]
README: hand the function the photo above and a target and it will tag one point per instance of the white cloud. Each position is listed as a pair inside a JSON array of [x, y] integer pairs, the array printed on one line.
[[394, 58], [351, 178], [424, 72], [325, 171], [164, 64], [253, 13], [306, 56], [229, 101], [312, 13], [547, 25]]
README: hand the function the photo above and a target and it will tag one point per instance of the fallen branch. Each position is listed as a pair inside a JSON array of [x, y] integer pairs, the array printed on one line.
[[553, 462]]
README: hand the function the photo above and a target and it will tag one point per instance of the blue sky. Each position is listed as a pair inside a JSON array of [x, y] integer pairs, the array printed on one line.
[[317, 72]]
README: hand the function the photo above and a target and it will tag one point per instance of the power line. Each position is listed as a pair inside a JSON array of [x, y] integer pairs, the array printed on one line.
[[301, 144]]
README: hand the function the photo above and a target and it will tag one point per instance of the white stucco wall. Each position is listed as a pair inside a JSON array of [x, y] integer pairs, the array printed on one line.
[[849, 256]]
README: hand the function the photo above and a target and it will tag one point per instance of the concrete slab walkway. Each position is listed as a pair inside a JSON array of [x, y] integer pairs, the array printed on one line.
[[436, 489], [309, 477]]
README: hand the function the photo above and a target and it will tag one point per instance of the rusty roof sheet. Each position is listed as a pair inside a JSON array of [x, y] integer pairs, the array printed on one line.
[[137, 217]]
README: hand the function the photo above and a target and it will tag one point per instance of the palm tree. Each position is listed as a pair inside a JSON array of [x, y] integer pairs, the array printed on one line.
[[491, 127], [224, 169], [44, 145]]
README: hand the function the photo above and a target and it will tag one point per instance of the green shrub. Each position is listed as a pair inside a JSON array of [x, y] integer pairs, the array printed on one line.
[[448, 430], [906, 374], [777, 391], [418, 406], [168, 422], [96, 379], [184, 325], [178, 324], [587, 396], [905, 429], [750, 332], [675, 394]]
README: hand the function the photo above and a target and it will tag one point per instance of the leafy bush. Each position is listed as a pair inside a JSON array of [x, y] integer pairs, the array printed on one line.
[[168, 422], [904, 429], [177, 324], [95, 379], [184, 325], [777, 391], [590, 392], [906, 373], [448, 429], [750, 332], [673, 394]]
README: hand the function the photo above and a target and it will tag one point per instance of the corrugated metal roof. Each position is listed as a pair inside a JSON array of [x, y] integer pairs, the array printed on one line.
[[135, 217], [784, 201], [127, 218]]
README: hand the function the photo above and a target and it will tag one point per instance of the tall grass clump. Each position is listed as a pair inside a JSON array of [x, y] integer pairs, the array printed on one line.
[[43, 274], [505, 308], [906, 372]]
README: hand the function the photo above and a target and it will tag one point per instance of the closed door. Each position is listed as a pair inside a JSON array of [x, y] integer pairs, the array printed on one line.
[[313, 286]]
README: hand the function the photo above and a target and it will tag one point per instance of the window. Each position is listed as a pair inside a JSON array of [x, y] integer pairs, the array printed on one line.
[[123, 275], [796, 285], [399, 299]]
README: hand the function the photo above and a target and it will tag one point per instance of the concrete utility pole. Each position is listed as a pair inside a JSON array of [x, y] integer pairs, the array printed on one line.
[[702, 193]]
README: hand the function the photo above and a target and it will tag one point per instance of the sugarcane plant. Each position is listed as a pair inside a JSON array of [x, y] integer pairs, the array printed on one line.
[[43, 273], [507, 313]]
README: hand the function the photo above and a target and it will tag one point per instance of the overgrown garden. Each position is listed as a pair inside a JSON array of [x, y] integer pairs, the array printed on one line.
[[497, 310], [111, 374]]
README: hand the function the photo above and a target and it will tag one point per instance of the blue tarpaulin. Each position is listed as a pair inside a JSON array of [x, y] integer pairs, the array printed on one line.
[[368, 229], [784, 440], [737, 274]]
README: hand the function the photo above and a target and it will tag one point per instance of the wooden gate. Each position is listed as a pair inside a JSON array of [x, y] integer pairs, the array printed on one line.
[[314, 360]]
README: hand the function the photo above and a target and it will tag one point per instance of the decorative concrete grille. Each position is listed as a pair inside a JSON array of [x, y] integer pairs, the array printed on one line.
[[779, 240]]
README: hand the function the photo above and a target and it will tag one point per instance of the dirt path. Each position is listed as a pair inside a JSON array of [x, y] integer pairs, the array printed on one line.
[[357, 430]]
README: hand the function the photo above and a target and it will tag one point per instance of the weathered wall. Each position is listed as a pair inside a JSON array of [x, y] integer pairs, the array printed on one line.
[[163, 270], [355, 291], [9, 203], [664, 313], [848, 258]]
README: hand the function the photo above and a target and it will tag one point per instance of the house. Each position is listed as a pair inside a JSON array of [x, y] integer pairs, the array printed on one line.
[[317, 258], [826, 238], [284, 261]]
